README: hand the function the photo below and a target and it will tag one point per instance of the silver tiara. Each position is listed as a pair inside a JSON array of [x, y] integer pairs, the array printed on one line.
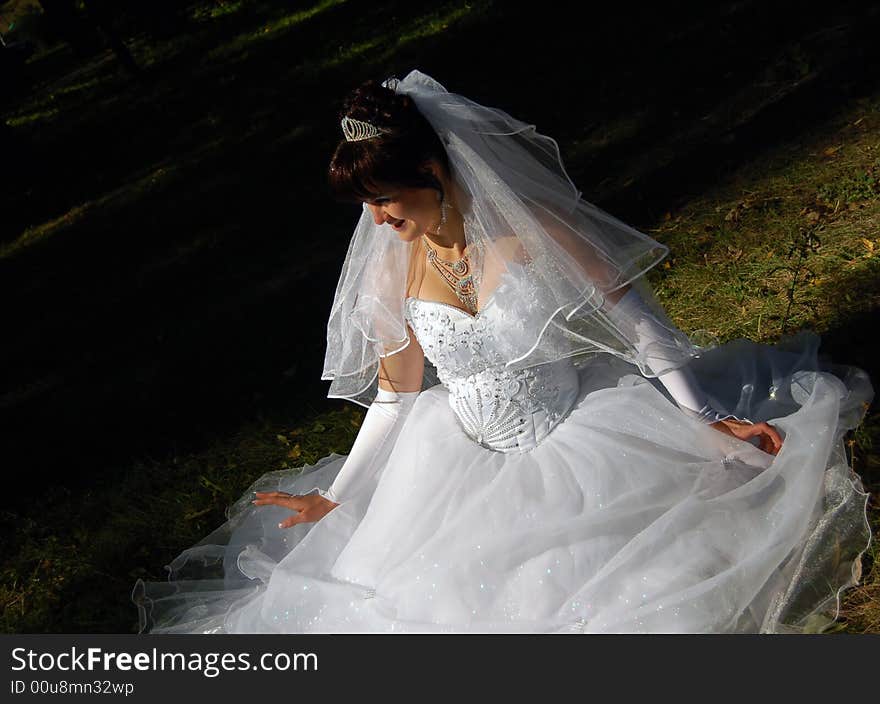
[[356, 130]]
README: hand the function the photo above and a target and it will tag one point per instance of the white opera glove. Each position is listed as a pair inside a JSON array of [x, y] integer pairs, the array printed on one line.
[[373, 444], [651, 337]]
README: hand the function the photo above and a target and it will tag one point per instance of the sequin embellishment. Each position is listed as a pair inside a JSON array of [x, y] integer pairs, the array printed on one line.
[[500, 409]]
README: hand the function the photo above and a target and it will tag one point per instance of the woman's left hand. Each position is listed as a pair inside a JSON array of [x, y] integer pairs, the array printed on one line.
[[309, 507], [770, 440]]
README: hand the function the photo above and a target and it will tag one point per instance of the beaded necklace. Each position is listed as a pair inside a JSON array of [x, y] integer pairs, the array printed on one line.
[[457, 275]]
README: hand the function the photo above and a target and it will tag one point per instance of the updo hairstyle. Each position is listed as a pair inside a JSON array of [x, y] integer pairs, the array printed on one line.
[[395, 158]]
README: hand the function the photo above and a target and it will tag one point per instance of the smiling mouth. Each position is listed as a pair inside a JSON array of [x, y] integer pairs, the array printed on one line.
[[397, 224]]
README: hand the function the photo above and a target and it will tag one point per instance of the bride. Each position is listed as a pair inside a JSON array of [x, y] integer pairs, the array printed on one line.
[[543, 451]]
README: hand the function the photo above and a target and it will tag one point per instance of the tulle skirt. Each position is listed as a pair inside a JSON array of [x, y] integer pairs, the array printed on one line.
[[631, 517]]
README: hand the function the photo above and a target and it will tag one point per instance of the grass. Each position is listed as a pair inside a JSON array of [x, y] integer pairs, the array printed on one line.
[[98, 542], [793, 227], [787, 242], [163, 313], [270, 30]]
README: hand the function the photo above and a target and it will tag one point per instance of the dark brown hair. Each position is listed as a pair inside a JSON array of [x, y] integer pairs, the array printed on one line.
[[396, 158]]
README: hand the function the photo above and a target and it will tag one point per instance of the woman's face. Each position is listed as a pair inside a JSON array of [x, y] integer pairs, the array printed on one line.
[[410, 212]]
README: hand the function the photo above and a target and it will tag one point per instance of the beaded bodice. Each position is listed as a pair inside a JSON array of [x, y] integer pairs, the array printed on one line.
[[499, 408]]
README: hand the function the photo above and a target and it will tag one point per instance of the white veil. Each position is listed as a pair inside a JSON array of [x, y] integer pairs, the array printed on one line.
[[531, 239]]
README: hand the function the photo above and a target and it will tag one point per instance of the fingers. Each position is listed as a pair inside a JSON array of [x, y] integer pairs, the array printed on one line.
[[278, 498], [294, 502], [721, 426], [775, 437], [770, 439], [291, 521]]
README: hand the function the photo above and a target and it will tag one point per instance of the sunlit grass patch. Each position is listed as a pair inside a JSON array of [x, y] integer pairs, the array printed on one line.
[[94, 84], [44, 106], [217, 8], [32, 117], [158, 176], [742, 245], [418, 29], [272, 29], [440, 22], [40, 234], [860, 185], [380, 46]]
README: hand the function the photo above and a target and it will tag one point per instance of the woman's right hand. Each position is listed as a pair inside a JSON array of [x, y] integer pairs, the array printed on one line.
[[769, 439], [309, 507]]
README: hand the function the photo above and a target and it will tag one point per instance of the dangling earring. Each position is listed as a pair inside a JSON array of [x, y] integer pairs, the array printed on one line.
[[444, 210]]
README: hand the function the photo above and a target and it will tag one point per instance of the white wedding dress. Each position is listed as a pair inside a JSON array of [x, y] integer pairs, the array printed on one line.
[[555, 499]]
